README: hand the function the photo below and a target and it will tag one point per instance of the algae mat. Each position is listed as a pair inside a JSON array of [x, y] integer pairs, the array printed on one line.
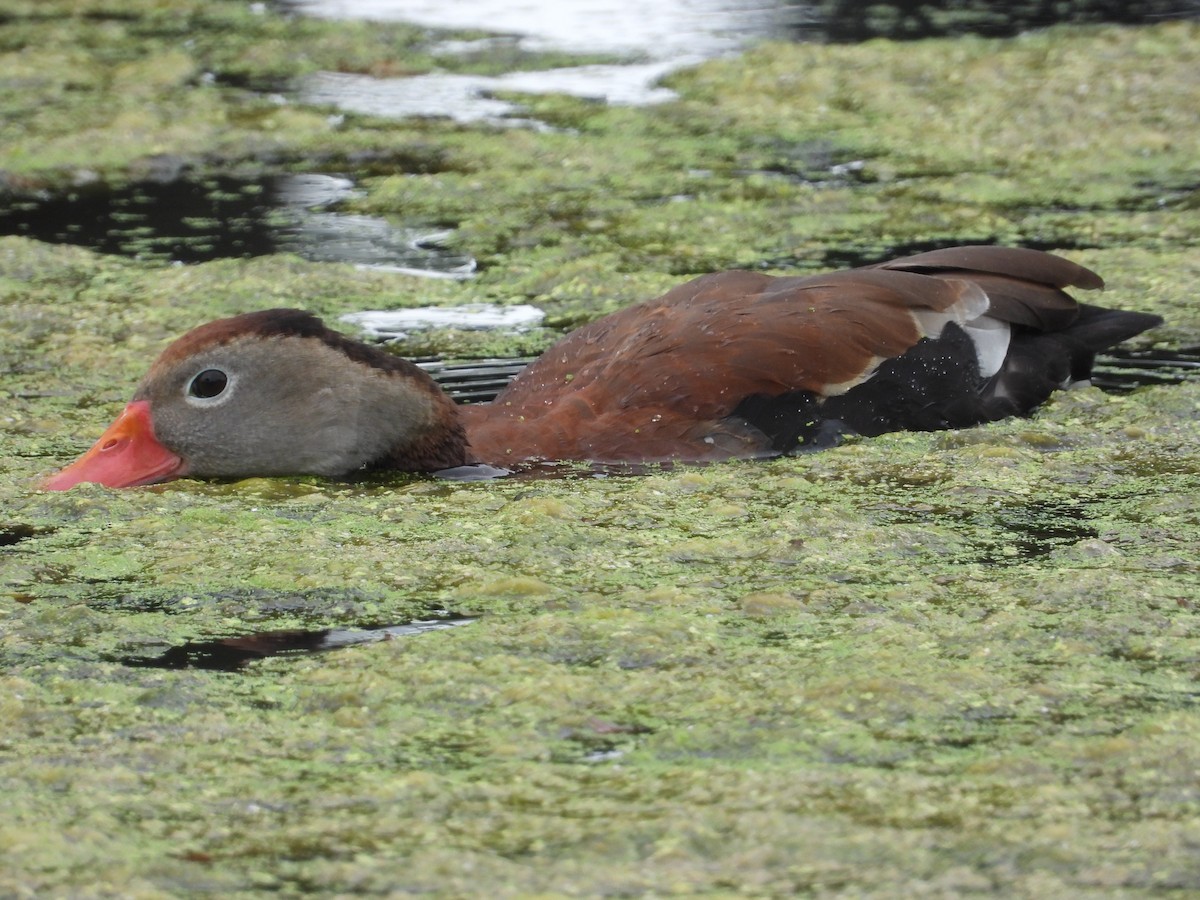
[[936, 664]]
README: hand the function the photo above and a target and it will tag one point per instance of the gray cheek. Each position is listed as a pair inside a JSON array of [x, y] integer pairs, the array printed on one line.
[[213, 440]]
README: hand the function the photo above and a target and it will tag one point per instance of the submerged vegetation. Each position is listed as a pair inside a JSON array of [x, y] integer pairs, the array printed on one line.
[[950, 663]]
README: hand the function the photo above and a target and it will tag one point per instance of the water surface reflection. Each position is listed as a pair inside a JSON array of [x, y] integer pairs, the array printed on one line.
[[651, 40]]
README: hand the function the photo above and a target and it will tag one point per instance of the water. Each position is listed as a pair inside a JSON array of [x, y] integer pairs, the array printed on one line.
[[396, 324], [234, 653], [179, 218], [661, 29], [468, 98], [193, 219], [650, 39]]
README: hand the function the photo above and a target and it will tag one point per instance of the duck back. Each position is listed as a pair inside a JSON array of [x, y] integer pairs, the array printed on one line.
[[743, 364]]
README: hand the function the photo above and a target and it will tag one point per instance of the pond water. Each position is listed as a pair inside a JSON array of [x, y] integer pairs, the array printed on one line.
[[180, 218], [188, 219], [233, 653], [662, 29], [177, 217], [650, 40]]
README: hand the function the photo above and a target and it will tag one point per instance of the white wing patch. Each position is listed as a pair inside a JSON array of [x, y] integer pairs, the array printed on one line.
[[836, 390], [990, 336], [971, 304]]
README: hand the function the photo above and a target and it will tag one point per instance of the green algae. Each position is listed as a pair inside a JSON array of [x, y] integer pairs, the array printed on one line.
[[626, 707], [919, 664]]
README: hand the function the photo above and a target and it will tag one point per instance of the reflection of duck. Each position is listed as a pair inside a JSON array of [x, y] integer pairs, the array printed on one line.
[[736, 364]]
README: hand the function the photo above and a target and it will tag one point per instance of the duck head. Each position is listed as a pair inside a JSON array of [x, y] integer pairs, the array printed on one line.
[[272, 393]]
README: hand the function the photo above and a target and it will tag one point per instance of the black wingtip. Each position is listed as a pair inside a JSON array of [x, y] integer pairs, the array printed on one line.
[[1099, 329]]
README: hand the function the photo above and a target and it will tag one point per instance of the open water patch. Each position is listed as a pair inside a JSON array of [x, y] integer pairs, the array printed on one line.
[[15, 533], [649, 40], [474, 382], [232, 654], [474, 98], [1008, 534], [1035, 530], [187, 219], [1125, 370]]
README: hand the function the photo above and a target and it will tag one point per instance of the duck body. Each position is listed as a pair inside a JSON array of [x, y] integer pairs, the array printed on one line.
[[730, 365]]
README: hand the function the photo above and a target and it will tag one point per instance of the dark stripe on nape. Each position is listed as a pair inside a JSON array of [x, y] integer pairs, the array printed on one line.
[[263, 324], [285, 323], [281, 322]]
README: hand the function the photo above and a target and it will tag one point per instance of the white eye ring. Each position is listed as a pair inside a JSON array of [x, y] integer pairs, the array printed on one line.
[[209, 387]]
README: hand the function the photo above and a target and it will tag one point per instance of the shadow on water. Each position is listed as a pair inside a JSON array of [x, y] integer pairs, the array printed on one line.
[[850, 21], [196, 219], [234, 653], [1035, 530], [1019, 533], [17, 532], [1123, 370]]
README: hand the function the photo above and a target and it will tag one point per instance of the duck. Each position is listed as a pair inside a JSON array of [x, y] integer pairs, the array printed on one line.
[[731, 365]]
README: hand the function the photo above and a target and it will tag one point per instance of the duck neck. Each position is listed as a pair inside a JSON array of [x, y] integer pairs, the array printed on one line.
[[442, 444], [403, 415]]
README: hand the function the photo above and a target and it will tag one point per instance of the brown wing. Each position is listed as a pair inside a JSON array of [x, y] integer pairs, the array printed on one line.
[[660, 374], [1024, 286], [738, 332], [660, 379]]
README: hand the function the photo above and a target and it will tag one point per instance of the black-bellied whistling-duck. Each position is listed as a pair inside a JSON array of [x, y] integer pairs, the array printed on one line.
[[736, 364]]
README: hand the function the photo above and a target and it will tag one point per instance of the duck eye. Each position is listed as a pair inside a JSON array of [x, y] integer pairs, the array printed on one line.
[[208, 383]]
